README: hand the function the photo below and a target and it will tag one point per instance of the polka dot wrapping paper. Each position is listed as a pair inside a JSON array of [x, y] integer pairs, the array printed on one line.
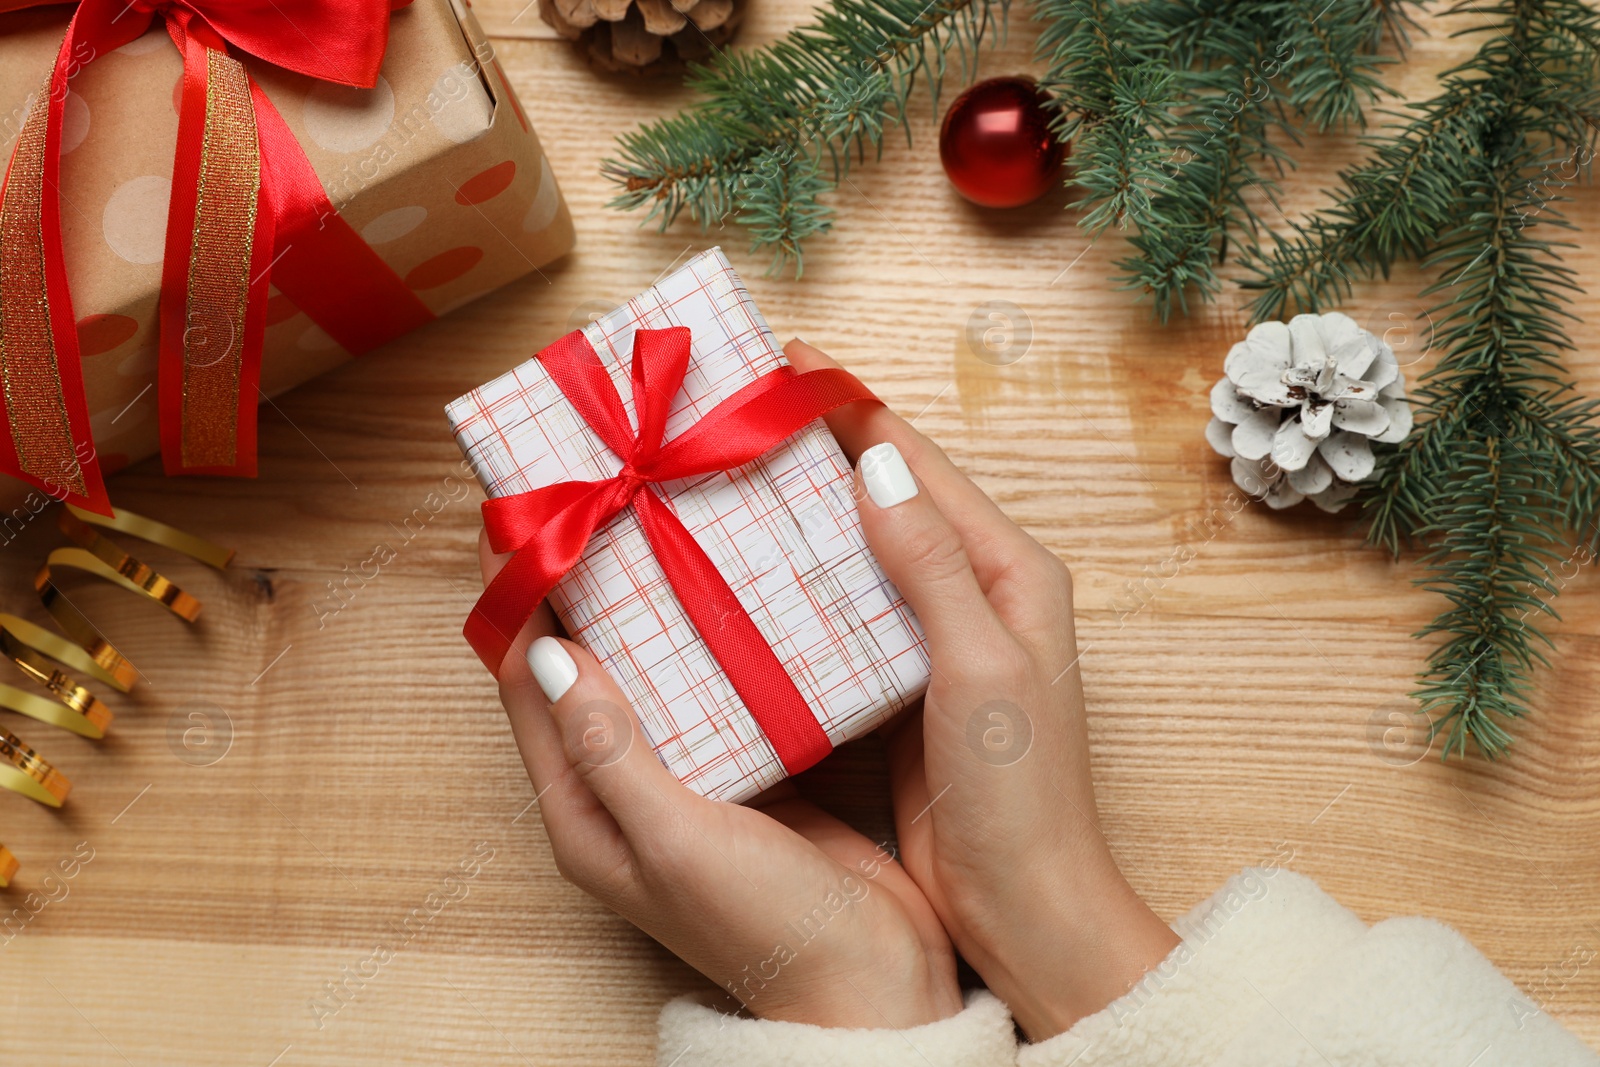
[[437, 168], [783, 531]]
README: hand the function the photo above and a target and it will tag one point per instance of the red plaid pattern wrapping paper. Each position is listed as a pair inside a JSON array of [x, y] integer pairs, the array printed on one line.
[[783, 531]]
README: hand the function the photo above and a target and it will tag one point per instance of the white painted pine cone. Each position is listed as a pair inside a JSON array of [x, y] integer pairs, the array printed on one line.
[[1299, 404]]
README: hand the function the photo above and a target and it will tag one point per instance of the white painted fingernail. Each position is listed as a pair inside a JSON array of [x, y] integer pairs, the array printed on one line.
[[552, 667], [886, 476]]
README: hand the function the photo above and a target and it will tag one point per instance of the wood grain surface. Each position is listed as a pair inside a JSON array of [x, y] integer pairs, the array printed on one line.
[[1238, 708]]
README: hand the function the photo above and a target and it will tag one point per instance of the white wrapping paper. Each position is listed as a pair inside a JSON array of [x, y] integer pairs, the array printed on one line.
[[782, 530]]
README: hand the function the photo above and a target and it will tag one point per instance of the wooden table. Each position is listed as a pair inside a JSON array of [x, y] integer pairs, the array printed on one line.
[[1234, 713]]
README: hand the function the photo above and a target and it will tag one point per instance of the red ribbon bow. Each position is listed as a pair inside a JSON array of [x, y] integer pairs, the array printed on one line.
[[245, 204], [548, 528]]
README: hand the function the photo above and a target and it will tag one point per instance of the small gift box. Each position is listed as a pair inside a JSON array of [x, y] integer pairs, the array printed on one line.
[[405, 180], [713, 546]]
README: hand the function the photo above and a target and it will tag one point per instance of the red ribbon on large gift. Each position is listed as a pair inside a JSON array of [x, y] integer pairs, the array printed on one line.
[[548, 528], [245, 205]]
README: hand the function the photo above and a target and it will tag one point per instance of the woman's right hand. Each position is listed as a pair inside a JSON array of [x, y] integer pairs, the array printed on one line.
[[787, 908], [994, 805]]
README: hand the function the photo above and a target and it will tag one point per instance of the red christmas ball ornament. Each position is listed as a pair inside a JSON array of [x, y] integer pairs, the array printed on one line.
[[996, 144]]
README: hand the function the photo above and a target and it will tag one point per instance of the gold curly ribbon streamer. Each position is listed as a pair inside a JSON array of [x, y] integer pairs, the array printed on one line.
[[157, 533], [8, 867], [105, 559], [22, 770], [79, 710], [116, 672], [37, 651]]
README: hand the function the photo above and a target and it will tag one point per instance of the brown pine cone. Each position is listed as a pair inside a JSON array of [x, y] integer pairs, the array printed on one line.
[[633, 35]]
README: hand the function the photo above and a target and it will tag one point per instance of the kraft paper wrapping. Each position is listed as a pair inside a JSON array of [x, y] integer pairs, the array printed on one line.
[[437, 167]]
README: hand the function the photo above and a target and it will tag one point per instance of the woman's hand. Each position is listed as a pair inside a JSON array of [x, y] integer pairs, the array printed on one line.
[[994, 806], [787, 908]]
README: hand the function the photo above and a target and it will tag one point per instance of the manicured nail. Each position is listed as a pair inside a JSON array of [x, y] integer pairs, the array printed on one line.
[[886, 476], [552, 667]]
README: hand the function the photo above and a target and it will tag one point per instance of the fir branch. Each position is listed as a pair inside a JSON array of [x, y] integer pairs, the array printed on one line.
[[1495, 515], [1113, 92], [1503, 469], [1394, 21], [1217, 161], [777, 127], [1334, 75], [1177, 111], [1389, 208], [1392, 206]]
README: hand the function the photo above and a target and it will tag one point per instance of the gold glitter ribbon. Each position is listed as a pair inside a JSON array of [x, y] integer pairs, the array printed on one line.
[[222, 240], [30, 370]]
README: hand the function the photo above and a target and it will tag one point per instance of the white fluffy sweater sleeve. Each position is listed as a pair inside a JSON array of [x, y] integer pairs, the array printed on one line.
[[1271, 973]]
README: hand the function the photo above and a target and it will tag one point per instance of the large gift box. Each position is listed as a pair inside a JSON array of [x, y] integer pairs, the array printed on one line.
[[781, 531], [436, 168]]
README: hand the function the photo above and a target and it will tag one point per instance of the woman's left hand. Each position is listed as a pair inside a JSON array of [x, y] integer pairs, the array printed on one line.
[[780, 904]]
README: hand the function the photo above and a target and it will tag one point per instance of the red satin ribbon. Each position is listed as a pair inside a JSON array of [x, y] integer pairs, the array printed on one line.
[[548, 528], [311, 253]]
